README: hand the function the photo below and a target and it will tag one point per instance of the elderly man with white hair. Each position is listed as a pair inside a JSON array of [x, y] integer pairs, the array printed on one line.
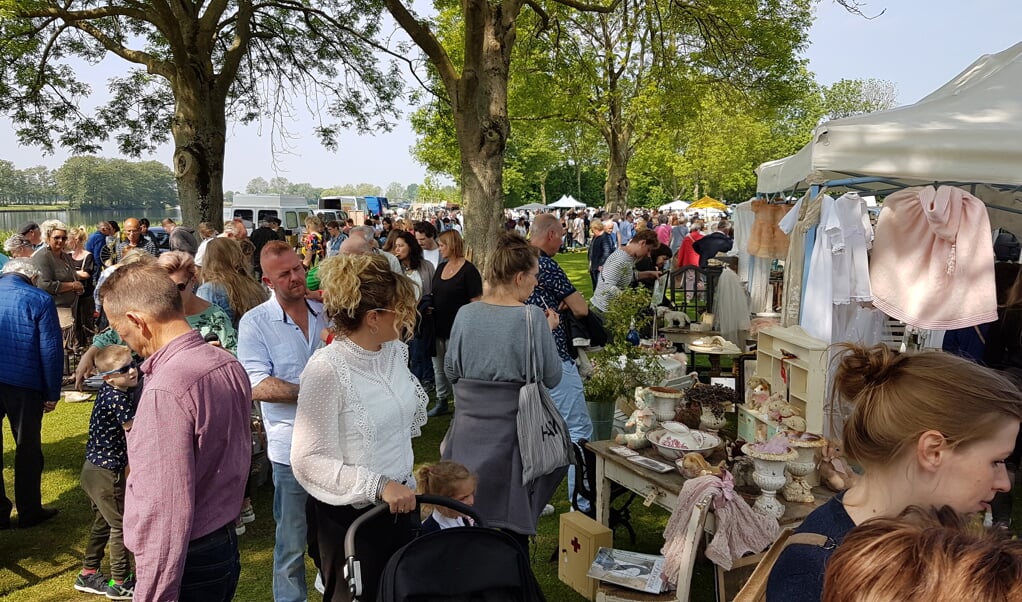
[[32, 354], [354, 246]]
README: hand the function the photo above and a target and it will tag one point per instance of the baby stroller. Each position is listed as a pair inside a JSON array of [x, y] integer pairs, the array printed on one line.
[[474, 564]]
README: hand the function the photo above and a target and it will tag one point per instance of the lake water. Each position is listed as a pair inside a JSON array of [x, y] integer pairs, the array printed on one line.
[[12, 220]]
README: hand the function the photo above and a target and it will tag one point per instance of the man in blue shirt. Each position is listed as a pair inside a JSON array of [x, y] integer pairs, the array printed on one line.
[[32, 356], [627, 228], [275, 341], [555, 291]]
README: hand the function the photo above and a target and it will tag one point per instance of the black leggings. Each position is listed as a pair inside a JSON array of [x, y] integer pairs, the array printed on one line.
[[376, 542]]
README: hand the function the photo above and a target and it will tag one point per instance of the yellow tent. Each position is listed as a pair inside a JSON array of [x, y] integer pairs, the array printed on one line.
[[707, 203]]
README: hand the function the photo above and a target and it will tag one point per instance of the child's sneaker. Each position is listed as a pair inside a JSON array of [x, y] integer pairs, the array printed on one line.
[[120, 591], [91, 584], [239, 526]]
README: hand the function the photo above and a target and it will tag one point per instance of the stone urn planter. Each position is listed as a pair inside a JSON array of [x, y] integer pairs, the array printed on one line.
[[663, 401], [798, 488], [769, 476]]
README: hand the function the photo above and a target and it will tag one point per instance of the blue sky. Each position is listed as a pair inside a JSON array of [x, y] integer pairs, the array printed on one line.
[[917, 44]]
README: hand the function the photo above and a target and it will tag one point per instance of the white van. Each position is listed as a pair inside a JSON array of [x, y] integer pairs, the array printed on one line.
[[251, 208]]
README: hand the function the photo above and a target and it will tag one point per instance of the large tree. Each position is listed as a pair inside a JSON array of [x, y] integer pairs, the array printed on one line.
[[474, 72], [196, 63]]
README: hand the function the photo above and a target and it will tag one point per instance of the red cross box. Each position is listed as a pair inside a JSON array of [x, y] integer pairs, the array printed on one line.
[[580, 538]]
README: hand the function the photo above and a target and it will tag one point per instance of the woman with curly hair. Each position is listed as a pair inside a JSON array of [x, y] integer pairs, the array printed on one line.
[[358, 408], [227, 279]]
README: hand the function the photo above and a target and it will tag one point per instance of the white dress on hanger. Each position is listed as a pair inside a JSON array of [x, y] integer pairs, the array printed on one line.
[[818, 302], [851, 235]]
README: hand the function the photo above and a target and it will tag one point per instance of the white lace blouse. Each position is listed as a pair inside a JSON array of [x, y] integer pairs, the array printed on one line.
[[357, 413]]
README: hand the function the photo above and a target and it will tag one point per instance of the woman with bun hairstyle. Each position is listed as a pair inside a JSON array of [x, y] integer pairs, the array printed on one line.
[[928, 429], [358, 408], [483, 435]]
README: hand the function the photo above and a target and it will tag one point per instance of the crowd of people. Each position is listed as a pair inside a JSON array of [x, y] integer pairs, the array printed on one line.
[[336, 341]]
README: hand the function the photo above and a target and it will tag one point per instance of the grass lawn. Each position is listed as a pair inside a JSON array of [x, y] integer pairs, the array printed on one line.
[[40, 564]]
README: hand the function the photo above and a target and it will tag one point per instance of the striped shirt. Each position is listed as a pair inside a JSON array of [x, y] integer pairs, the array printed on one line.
[[618, 273]]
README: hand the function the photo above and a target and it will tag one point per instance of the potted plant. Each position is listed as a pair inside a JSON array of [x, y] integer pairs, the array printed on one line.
[[711, 401], [620, 367]]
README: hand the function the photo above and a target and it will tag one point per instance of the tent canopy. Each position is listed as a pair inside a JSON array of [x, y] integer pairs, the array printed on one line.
[[708, 203], [531, 207], [967, 131], [567, 202], [674, 206]]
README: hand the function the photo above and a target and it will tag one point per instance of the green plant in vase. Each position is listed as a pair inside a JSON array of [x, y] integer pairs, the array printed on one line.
[[620, 367]]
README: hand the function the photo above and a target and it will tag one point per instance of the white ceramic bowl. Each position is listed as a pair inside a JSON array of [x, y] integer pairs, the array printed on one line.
[[695, 441]]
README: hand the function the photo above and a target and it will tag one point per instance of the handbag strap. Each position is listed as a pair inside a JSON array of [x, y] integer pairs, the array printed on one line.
[[754, 589], [528, 346]]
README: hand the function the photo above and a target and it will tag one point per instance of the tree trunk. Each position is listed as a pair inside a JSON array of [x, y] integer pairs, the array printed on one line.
[[199, 128], [615, 189], [482, 127]]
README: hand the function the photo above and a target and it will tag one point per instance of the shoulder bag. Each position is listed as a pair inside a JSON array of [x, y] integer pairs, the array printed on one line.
[[542, 433]]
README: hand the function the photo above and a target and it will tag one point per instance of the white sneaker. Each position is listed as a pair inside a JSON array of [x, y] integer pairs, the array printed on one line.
[[319, 583], [547, 510]]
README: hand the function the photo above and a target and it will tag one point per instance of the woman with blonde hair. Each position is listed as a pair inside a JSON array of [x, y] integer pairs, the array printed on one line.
[[928, 429], [227, 280], [456, 283], [358, 409], [924, 555], [84, 265]]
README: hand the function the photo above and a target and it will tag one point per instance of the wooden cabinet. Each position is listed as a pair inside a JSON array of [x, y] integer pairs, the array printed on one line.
[[795, 364]]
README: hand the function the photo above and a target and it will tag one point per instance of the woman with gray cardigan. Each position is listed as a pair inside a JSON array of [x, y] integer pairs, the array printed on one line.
[[483, 434]]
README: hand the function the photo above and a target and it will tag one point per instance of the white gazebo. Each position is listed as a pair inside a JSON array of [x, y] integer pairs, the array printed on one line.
[[567, 202], [678, 205]]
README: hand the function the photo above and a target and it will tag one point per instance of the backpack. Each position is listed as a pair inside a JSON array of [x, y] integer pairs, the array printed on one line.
[[1006, 246]]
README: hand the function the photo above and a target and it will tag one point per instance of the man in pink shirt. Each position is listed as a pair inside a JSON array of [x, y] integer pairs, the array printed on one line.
[[189, 448]]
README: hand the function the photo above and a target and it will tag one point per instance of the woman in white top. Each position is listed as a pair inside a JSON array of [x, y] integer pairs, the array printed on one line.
[[358, 409]]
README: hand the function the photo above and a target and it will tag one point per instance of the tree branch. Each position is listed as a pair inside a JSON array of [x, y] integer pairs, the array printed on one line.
[[79, 15], [591, 8], [424, 39], [150, 62]]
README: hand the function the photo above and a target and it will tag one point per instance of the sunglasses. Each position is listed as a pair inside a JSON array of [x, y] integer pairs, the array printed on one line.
[[122, 370]]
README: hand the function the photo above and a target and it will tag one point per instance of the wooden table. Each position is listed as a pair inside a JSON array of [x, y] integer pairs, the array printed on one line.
[[663, 490]]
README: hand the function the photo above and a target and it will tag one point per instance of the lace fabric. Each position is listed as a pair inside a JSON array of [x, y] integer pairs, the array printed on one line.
[[353, 406]]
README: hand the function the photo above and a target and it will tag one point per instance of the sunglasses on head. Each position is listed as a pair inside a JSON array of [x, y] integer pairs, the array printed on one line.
[[122, 370]]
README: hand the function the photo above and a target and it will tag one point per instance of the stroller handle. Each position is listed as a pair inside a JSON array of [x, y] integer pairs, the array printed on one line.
[[351, 570]]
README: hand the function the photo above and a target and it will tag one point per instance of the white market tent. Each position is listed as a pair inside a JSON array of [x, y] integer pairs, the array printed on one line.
[[531, 207], [967, 132], [567, 202], [674, 206]]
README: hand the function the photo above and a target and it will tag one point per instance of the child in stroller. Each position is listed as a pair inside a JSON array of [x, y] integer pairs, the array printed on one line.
[[451, 480]]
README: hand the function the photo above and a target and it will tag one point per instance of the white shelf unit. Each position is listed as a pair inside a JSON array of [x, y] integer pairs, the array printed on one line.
[[807, 372]]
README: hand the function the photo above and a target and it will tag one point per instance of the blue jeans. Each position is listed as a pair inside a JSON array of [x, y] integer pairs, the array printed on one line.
[[289, 547], [571, 403], [212, 567], [420, 362]]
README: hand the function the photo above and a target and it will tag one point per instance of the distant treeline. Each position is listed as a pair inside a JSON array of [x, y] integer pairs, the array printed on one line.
[[90, 182]]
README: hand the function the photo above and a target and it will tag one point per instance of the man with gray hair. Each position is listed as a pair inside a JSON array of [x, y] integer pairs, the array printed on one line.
[[190, 444], [355, 248], [32, 354]]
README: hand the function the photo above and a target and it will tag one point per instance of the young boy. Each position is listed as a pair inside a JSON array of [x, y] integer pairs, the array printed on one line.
[[104, 473]]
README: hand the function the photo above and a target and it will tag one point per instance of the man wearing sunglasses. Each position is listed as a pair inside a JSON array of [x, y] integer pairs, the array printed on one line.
[[189, 445]]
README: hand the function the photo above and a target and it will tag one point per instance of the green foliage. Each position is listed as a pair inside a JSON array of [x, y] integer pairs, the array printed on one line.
[[31, 186], [97, 182], [278, 185], [620, 366], [363, 189], [848, 97]]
